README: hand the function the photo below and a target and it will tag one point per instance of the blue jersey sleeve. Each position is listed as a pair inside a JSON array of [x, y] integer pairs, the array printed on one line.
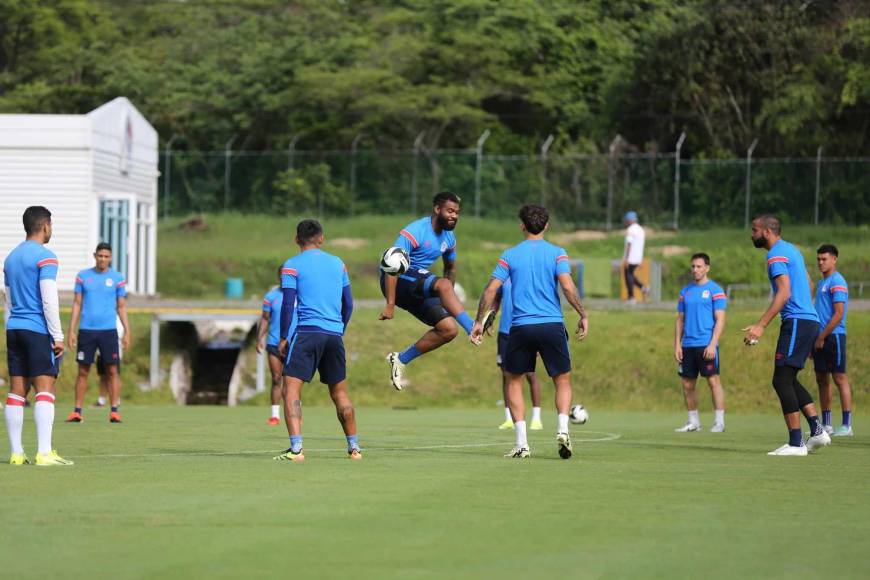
[[345, 279], [562, 262], [267, 304], [681, 301], [777, 265], [839, 291], [407, 240], [720, 299], [121, 287], [79, 287], [502, 269], [450, 254], [48, 267], [288, 276]]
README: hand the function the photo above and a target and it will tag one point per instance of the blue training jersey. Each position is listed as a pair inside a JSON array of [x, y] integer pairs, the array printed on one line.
[[785, 259], [23, 269], [100, 292], [318, 278], [699, 303], [830, 290], [424, 246], [272, 304], [507, 308], [532, 268]]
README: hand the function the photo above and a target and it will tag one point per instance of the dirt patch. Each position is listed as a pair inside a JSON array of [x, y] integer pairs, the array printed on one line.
[[348, 243], [579, 236], [652, 233], [668, 251], [494, 246]]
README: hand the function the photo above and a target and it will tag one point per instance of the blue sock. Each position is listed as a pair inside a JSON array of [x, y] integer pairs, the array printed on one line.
[[815, 425], [794, 438], [847, 418], [409, 354], [78, 410], [296, 443], [465, 320], [826, 417], [352, 442], [114, 409]]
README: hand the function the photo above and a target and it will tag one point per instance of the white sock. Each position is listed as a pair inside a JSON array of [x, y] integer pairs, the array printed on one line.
[[563, 423], [694, 419], [536, 413], [43, 415], [507, 414], [15, 422], [275, 412], [520, 428], [101, 400], [720, 416]]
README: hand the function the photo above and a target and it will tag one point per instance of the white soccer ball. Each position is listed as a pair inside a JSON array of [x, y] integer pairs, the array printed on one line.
[[395, 261], [579, 414]]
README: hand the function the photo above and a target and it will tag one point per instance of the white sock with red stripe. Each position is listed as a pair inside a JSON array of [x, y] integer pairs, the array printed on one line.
[[43, 414], [15, 422]]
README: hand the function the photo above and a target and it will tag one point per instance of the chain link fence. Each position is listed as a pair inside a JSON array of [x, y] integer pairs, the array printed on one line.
[[585, 190]]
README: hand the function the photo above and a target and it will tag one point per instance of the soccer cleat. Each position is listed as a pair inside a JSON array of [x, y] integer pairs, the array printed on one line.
[[689, 427], [274, 421], [19, 459], [563, 441], [114, 417], [508, 424], [843, 431], [518, 453], [51, 458], [355, 454], [289, 455], [829, 429], [488, 320], [75, 418], [536, 425], [789, 451], [817, 441], [717, 428], [397, 370]]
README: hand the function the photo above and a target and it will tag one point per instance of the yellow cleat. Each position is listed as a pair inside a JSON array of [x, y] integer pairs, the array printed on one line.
[[508, 424], [536, 425], [290, 456], [52, 458], [19, 459]]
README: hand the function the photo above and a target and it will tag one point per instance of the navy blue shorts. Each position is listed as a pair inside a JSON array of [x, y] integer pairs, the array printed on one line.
[[101, 366], [316, 351], [695, 363], [832, 358], [106, 341], [502, 342], [272, 349], [525, 342], [414, 293], [29, 354], [796, 339]]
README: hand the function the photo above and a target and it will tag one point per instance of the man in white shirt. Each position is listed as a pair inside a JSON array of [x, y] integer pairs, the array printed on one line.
[[633, 255]]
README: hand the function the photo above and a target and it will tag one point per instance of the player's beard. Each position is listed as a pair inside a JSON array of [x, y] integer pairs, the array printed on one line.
[[758, 242], [445, 224]]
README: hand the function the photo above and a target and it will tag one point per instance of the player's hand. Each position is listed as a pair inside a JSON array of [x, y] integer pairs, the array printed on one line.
[[476, 336], [73, 341], [387, 312], [57, 347], [282, 347], [582, 329], [260, 346], [125, 342], [820, 343], [710, 352], [753, 334], [678, 353]]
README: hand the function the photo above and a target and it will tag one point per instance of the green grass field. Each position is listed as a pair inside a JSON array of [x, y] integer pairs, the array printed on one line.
[[192, 492]]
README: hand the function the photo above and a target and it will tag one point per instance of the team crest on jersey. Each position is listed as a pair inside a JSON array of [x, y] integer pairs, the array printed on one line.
[[705, 294], [825, 288], [427, 243], [443, 247], [110, 282]]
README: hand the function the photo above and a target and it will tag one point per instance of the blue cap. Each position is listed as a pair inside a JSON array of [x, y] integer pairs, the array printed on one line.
[[630, 216]]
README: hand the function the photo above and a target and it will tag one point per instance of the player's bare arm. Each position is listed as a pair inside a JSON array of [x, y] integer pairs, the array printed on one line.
[[125, 323], [678, 337], [487, 302], [570, 292], [780, 297], [450, 270], [390, 283], [718, 328], [72, 338], [262, 331], [839, 311]]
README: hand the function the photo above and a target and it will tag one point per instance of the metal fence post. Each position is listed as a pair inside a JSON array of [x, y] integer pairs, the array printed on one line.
[[818, 183], [418, 142], [677, 180], [480, 141], [610, 179], [545, 148], [228, 154], [167, 165], [748, 182], [353, 146]]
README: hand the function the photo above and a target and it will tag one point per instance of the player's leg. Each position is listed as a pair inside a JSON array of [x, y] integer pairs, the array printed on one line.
[[443, 288], [842, 382], [45, 367], [19, 383], [517, 405], [690, 396], [113, 377], [783, 384], [718, 395], [519, 359], [505, 391], [103, 396], [81, 388], [443, 330], [302, 359], [275, 367], [826, 395], [501, 345], [332, 368], [292, 391], [535, 392], [551, 341], [346, 416]]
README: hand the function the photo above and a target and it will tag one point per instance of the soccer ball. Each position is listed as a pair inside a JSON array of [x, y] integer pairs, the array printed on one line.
[[579, 415], [395, 261]]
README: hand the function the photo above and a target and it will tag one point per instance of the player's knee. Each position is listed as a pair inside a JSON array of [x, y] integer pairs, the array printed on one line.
[[442, 285], [84, 370], [447, 329]]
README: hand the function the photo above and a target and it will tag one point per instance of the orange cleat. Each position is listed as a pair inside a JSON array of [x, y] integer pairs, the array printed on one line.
[[355, 454], [274, 421], [114, 417], [75, 418]]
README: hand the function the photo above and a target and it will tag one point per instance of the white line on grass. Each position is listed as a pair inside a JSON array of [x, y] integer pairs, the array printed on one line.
[[605, 437]]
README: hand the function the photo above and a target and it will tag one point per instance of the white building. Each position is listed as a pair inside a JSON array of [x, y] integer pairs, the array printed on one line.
[[97, 174]]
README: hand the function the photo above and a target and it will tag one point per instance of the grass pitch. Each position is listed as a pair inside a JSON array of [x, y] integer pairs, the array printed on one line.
[[184, 492]]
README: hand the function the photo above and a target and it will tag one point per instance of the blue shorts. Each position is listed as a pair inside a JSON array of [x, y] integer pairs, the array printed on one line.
[[414, 293], [316, 351], [525, 342], [501, 348], [695, 363], [832, 358], [796, 339], [272, 349], [29, 354], [106, 341]]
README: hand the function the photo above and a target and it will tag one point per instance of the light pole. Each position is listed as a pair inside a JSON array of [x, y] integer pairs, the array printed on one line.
[[228, 153], [480, 141], [818, 183], [748, 182], [614, 145], [677, 180]]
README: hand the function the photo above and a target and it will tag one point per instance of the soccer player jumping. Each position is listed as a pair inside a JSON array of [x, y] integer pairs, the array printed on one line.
[[427, 297], [536, 269], [34, 339], [315, 285], [790, 283]]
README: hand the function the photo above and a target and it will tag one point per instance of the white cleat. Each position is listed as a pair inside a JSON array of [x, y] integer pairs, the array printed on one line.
[[789, 451], [518, 453], [689, 427], [829, 429], [817, 441], [563, 442], [397, 370], [717, 428], [843, 431]]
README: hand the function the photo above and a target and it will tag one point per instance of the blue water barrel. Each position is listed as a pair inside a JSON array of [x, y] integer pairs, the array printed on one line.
[[234, 288]]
